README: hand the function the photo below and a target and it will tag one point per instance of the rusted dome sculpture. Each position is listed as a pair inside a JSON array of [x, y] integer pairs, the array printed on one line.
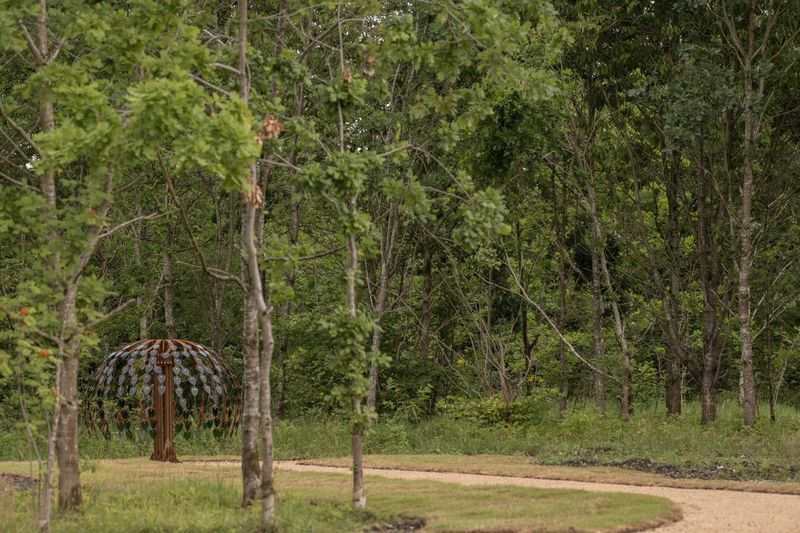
[[162, 387]]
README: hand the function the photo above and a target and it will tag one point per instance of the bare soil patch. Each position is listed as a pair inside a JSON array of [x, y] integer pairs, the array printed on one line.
[[747, 471]]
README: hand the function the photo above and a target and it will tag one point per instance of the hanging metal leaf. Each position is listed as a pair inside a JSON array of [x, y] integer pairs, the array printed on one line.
[[194, 391], [162, 389], [162, 378]]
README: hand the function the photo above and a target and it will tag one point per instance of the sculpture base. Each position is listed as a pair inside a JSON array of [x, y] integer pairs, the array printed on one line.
[[165, 457]]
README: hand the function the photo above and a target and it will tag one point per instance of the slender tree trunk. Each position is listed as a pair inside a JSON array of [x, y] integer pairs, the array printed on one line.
[[168, 277], [597, 305], [425, 306], [267, 485], [294, 234], [560, 218], [138, 248], [250, 379], [770, 363], [359, 495], [250, 400], [225, 240], [710, 356], [379, 302], [169, 283], [749, 404], [600, 270], [69, 483], [672, 301], [46, 507], [252, 237], [351, 272], [626, 406], [47, 187]]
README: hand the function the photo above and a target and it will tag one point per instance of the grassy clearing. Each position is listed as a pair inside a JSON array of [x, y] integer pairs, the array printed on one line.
[[136, 495], [767, 451]]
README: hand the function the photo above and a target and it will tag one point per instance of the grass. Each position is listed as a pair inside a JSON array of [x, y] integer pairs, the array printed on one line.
[[521, 466], [136, 495], [767, 451]]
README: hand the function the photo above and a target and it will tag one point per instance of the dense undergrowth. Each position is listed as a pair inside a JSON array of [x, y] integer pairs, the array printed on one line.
[[583, 436]]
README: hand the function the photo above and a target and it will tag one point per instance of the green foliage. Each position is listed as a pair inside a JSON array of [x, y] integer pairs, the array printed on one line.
[[492, 410], [347, 358]]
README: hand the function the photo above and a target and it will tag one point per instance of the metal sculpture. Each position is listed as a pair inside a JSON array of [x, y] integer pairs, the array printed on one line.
[[140, 383]]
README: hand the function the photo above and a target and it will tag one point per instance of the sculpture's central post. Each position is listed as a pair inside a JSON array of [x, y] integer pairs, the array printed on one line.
[[164, 405]]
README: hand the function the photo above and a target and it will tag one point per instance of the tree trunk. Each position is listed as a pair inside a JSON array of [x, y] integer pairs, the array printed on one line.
[[672, 300], [46, 508], [294, 234], [169, 294], [600, 269], [69, 483], [138, 248], [225, 240], [597, 306], [379, 301], [673, 382], [357, 437], [47, 188], [560, 217], [250, 398], [265, 388], [749, 404], [250, 379], [708, 282], [424, 342]]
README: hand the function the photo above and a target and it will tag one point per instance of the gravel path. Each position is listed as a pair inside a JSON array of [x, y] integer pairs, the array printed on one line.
[[719, 511]]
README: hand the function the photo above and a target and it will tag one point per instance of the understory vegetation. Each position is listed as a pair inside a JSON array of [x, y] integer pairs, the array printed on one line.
[[583, 437]]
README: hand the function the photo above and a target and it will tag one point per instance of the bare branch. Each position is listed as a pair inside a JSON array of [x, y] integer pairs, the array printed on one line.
[[211, 86], [20, 130], [132, 221], [213, 272], [117, 310], [40, 59]]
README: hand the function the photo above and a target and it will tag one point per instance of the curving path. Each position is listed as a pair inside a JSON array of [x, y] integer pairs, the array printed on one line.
[[704, 511]]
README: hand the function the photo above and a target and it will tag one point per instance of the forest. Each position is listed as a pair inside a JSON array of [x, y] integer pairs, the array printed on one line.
[[559, 229]]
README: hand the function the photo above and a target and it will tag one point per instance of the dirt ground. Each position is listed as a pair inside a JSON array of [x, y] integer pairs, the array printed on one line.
[[704, 510]]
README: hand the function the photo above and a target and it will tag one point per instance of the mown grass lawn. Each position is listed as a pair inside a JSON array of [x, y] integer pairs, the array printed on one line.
[[137, 495]]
